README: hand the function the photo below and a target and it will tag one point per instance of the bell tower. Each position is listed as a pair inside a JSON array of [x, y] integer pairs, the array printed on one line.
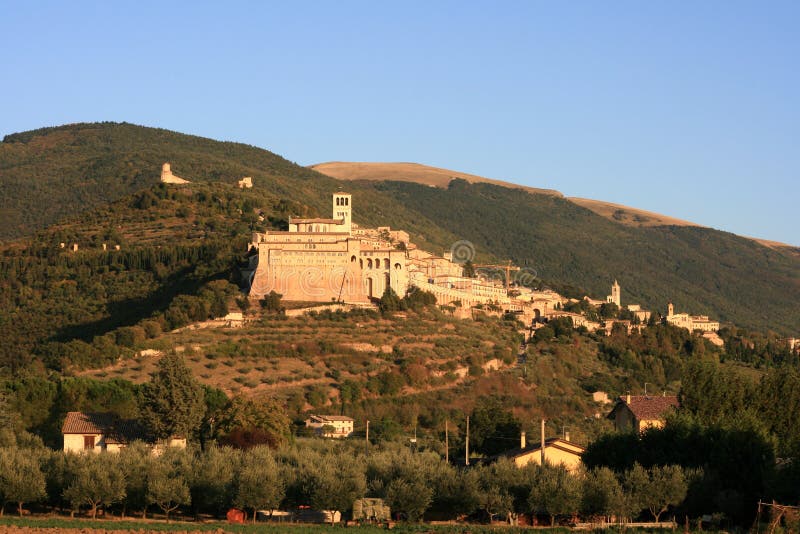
[[616, 294], [342, 210]]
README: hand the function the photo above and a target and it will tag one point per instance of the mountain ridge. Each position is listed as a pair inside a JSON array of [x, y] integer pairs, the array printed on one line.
[[571, 248], [440, 177]]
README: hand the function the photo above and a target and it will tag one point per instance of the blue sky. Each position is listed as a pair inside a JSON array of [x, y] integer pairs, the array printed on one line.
[[685, 108]]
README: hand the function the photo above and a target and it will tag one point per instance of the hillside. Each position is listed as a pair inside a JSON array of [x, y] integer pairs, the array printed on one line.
[[434, 176], [411, 172], [71, 174]]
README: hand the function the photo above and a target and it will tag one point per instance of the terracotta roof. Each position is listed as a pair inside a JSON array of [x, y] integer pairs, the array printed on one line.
[[647, 408], [115, 430], [549, 443]]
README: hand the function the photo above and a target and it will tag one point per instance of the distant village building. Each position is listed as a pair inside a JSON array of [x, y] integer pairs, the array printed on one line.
[[691, 322], [168, 178], [639, 412], [714, 339], [331, 426], [642, 315], [245, 183], [96, 432], [601, 397]]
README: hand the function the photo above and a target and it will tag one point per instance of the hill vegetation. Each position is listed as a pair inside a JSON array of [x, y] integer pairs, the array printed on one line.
[[91, 329], [98, 182]]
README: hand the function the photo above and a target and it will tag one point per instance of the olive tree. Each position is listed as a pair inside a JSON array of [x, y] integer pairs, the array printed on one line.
[[168, 480], [94, 480], [259, 485], [135, 461], [556, 492], [21, 477], [213, 482]]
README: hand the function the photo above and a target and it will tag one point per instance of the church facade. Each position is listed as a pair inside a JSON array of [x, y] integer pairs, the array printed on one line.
[[325, 260]]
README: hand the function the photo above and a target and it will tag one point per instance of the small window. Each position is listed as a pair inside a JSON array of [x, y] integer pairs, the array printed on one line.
[[88, 442]]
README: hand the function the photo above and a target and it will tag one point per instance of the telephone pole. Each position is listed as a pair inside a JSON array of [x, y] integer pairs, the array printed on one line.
[[446, 444], [466, 457], [366, 441]]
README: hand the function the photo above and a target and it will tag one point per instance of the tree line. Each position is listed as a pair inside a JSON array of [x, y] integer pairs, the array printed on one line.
[[324, 476]]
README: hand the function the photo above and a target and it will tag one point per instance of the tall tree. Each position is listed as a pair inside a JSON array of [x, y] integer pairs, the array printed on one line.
[[493, 428], [264, 422], [172, 402]]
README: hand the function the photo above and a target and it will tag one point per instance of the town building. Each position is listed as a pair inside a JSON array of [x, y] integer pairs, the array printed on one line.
[[331, 426], [690, 322], [635, 413]]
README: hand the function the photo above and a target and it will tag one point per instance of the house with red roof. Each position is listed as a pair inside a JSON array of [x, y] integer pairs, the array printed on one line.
[[96, 432], [639, 412]]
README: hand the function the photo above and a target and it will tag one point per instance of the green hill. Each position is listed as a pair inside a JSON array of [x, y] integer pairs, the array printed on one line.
[[96, 183]]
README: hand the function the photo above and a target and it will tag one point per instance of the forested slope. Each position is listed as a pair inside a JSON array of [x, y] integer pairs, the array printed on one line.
[[95, 183]]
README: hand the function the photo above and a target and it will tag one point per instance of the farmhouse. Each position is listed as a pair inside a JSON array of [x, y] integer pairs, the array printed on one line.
[[557, 451], [331, 426], [97, 432], [639, 412]]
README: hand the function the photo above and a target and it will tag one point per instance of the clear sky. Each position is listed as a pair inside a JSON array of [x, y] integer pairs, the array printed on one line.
[[684, 108]]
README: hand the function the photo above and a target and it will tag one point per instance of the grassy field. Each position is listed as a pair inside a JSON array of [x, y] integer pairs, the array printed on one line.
[[87, 525]]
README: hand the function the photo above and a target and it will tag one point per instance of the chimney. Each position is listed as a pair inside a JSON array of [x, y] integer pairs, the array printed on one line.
[[522, 440], [566, 435], [628, 398]]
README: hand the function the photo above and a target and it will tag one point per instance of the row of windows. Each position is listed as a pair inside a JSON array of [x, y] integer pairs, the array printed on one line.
[[376, 264], [342, 201]]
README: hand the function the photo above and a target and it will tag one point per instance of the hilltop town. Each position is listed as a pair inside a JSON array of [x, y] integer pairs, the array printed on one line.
[[334, 260]]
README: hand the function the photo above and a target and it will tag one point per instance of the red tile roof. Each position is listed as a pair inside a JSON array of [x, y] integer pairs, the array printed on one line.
[[647, 408], [115, 429], [555, 443]]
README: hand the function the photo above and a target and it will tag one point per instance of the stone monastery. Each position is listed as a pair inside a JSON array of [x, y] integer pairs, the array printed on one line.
[[325, 260], [335, 260]]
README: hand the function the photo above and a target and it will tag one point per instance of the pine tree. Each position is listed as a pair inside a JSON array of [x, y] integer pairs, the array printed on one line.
[[172, 402]]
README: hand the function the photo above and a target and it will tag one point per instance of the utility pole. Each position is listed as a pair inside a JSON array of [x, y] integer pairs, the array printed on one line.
[[543, 444], [366, 442], [446, 444], [466, 458]]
